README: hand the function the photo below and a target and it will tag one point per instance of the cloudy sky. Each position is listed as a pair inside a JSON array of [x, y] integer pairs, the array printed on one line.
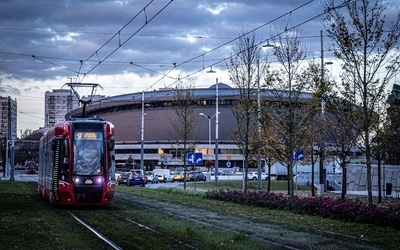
[[133, 45]]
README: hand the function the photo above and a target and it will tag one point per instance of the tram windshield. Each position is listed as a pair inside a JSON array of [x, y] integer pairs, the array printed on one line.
[[88, 153]]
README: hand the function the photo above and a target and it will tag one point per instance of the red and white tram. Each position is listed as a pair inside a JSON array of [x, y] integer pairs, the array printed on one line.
[[77, 163]]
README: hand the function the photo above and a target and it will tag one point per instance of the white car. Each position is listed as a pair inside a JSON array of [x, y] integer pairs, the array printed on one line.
[[254, 176], [164, 175]]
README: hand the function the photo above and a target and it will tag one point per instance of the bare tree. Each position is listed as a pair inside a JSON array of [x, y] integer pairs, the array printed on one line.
[[244, 73], [314, 134], [184, 106], [370, 58], [343, 132], [286, 107]]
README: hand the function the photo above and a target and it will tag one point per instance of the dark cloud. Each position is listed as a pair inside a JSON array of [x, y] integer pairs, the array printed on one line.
[[62, 34]]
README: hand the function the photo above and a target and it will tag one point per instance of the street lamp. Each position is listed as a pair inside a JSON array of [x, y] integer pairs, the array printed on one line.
[[142, 136], [322, 180], [259, 169], [209, 118], [216, 127]]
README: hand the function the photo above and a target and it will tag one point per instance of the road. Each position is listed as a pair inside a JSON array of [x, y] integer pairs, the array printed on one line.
[[19, 175]]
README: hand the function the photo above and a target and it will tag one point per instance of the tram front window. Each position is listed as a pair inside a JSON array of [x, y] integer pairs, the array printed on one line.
[[87, 157]]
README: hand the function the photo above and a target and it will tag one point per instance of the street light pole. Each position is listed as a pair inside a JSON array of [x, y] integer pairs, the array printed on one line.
[[216, 133], [142, 136], [321, 187], [209, 118], [216, 128], [259, 168], [259, 181]]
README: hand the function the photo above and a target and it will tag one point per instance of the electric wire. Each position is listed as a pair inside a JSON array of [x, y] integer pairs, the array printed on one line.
[[180, 64], [287, 29], [148, 20]]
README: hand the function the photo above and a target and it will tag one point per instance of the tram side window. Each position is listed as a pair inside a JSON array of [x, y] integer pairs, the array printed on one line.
[[65, 160], [63, 153], [111, 159]]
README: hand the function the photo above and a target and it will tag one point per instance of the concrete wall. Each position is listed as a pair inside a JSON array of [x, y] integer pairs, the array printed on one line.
[[357, 177]]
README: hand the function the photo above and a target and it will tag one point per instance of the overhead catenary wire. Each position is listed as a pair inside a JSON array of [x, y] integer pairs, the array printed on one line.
[[179, 64], [287, 29], [147, 21]]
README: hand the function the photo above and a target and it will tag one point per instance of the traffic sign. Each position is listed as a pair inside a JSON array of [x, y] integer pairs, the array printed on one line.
[[228, 164], [165, 162], [298, 155], [195, 158]]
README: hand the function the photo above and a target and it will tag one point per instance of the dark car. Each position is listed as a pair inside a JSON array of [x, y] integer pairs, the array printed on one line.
[[131, 178], [198, 175]]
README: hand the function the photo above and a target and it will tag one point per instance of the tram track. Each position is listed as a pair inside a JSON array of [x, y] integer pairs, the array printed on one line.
[[218, 223], [271, 235], [95, 231], [126, 206], [216, 226]]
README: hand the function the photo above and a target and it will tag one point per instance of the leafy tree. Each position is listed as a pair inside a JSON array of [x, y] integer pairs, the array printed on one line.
[[343, 132], [380, 142], [244, 73], [129, 163], [392, 129], [286, 109], [367, 48], [314, 134], [184, 106], [27, 148]]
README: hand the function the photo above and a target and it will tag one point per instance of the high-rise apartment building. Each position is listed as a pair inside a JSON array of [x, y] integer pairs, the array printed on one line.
[[57, 105], [8, 117]]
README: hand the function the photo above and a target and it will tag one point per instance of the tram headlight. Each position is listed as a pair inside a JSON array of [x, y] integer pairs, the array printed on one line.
[[76, 180], [100, 180]]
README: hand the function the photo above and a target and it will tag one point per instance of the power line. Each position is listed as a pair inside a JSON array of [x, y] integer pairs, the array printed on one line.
[[147, 21]]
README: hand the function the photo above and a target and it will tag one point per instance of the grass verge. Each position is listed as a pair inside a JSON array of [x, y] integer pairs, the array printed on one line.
[[29, 222]]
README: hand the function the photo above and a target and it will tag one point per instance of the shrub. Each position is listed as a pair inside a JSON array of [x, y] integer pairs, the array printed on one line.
[[327, 207]]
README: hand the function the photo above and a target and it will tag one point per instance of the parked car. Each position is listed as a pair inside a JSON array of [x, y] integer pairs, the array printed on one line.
[[179, 176], [131, 178], [164, 175], [198, 175], [254, 176], [150, 177], [118, 171]]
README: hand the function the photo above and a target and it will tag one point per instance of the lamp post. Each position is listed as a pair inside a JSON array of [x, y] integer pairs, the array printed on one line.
[[216, 133], [216, 127], [142, 136], [322, 180], [259, 181], [259, 169], [209, 118]]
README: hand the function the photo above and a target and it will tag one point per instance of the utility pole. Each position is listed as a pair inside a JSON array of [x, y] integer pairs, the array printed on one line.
[[10, 136], [321, 186]]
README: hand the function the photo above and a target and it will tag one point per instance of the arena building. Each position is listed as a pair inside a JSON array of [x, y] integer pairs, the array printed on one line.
[[161, 143]]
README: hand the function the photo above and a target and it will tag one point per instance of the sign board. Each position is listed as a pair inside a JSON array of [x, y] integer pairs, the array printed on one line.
[[195, 158], [298, 155]]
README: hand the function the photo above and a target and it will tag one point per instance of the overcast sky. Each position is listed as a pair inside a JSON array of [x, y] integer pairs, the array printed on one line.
[[133, 45]]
